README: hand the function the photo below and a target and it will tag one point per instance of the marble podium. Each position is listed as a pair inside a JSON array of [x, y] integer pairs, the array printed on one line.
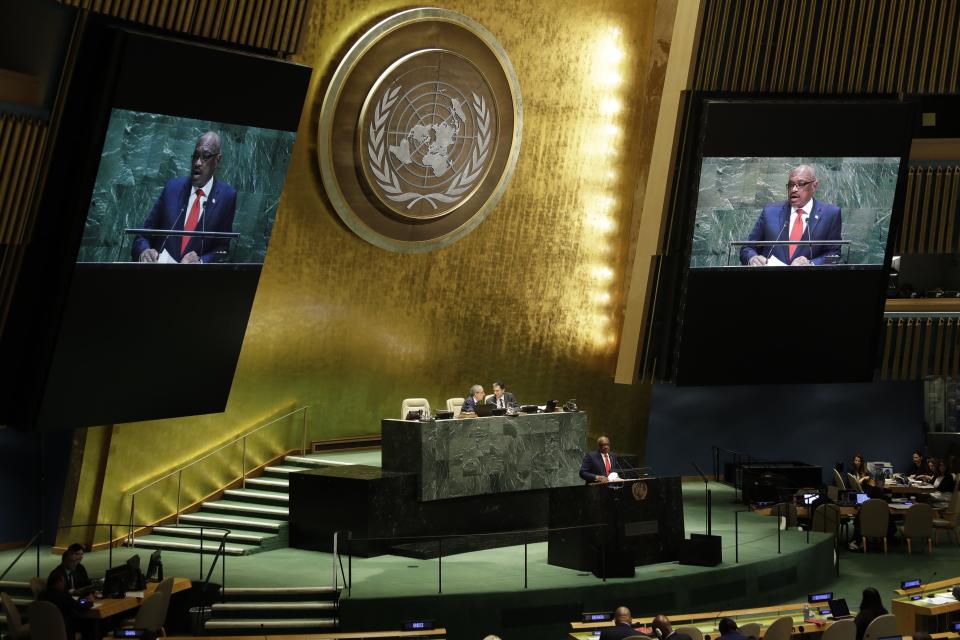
[[478, 456]]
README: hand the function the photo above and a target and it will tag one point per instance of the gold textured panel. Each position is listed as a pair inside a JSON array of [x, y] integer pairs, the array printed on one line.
[[533, 296]]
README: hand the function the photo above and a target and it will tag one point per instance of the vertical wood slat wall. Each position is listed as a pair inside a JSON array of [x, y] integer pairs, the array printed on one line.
[[830, 46], [273, 25], [918, 347], [931, 210]]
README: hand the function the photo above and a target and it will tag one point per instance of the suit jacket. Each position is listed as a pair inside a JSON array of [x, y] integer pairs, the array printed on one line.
[[508, 400], [593, 465], [824, 223], [170, 212], [618, 631], [469, 405], [77, 580]]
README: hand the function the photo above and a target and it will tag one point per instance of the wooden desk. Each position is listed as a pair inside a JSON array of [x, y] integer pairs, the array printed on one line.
[[706, 622], [108, 607], [918, 615], [433, 634]]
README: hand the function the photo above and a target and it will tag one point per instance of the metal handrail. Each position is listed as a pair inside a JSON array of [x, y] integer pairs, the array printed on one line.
[[243, 464], [35, 538]]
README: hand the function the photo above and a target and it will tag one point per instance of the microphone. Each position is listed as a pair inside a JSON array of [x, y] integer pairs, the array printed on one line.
[[779, 235], [816, 221], [173, 226]]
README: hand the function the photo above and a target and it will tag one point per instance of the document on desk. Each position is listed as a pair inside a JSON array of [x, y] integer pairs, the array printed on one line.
[[96, 604], [942, 598], [165, 258], [773, 261], [135, 594]]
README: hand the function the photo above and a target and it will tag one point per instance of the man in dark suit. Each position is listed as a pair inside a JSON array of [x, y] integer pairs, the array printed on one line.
[[728, 630], [663, 630], [195, 203], [800, 218], [598, 464], [73, 573], [622, 626], [474, 398], [501, 398]]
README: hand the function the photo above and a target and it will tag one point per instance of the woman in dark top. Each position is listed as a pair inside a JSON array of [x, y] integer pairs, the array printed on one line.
[[943, 480], [870, 608], [859, 467]]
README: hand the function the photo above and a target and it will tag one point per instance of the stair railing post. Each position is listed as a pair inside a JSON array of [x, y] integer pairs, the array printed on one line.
[[179, 486], [243, 464], [439, 565], [303, 444], [133, 505], [38, 551], [201, 554], [335, 560]]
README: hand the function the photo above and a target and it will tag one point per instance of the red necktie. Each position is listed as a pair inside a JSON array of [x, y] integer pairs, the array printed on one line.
[[606, 463], [194, 216], [797, 231]]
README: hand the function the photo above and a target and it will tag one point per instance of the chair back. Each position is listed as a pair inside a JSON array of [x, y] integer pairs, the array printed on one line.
[[854, 483], [838, 480], [750, 630], [841, 630], [953, 511], [786, 510], [46, 621], [413, 404], [882, 627], [918, 521], [14, 623], [165, 587], [152, 614], [874, 519], [693, 632], [780, 629], [455, 404], [826, 518]]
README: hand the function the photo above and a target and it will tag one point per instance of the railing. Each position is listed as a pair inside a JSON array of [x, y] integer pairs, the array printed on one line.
[[178, 472], [347, 536], [220, 552]]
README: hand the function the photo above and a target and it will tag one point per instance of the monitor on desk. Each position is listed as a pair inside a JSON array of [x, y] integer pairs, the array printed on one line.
[[117, 580], [861, 498], [880, 468]]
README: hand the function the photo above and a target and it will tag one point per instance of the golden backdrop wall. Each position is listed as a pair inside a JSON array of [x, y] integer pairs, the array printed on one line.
[[533, 296]]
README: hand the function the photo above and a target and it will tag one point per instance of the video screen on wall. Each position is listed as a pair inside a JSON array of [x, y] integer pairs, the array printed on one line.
[[746, 211], [172, 190]]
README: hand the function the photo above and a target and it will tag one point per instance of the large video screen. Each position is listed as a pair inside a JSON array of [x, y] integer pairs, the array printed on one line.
[[166, 173], [746, 211]]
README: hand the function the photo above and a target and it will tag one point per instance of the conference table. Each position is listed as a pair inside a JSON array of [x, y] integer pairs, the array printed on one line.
[[105, 608], [706, 622], [925, 608]]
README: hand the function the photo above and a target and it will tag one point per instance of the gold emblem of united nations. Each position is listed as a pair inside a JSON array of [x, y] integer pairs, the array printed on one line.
[[639, 490], [418, 143]]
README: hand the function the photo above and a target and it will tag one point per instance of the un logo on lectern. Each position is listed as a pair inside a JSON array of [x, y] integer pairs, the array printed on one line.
[[418, 144]]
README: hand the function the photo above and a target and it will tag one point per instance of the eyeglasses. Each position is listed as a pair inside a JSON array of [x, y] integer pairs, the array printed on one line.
[[799, 184], [204, 156]]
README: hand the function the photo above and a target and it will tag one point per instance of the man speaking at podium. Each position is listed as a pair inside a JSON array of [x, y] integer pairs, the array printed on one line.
[[195, 203], [801, 217], [597, 465]]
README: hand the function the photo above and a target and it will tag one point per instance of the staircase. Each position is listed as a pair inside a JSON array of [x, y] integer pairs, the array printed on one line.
[[21, 595], [297, 610], [257, 514]]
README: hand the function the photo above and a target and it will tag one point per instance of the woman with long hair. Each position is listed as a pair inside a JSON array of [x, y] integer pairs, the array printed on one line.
[[870, 607]]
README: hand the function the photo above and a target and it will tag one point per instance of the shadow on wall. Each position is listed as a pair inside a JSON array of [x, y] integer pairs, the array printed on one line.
[[820, 424]]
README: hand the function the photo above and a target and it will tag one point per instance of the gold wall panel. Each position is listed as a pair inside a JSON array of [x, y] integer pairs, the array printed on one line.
[[533, 296], [930, 210]]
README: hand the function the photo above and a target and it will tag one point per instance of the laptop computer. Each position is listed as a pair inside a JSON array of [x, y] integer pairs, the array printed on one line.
[[861, 498], [839, 609], [484, 410]]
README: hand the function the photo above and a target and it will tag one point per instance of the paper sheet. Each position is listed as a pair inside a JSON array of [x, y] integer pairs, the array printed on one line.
[[166, 258]]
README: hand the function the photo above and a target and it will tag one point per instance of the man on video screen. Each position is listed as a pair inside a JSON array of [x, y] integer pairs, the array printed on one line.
[[800, 218], [195, 203]]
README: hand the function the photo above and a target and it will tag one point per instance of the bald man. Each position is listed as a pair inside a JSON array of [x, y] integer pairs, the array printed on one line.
[[663, 630], [622, 626], [598, 465], [198, 202]]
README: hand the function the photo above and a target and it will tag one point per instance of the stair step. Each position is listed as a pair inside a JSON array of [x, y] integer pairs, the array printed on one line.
[[179, 544], [247, 509], [266, 482], [316, 461], [21, 602], [235, 592], [284, 470], [256, 495], [12, 585], [233, 521], [286, 607], [240, 537], [271, 623]]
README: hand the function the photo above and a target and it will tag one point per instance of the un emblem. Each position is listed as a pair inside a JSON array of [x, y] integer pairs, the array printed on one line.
[[418, 144]]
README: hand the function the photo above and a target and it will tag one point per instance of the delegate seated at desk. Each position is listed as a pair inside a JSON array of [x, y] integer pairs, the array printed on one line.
[[474, 398]]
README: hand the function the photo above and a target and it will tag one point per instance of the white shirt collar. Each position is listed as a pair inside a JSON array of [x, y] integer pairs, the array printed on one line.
[[206, 188]]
